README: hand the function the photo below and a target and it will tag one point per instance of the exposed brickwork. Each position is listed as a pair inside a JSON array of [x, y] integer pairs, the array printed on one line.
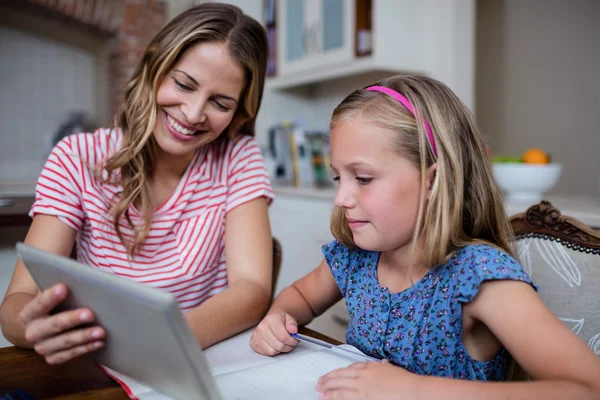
[[130, 23]]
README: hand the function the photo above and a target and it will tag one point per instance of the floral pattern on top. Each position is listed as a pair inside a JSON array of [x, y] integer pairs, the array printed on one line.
[[420, 328]]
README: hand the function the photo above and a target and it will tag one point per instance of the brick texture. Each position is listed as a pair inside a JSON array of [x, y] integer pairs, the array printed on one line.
[[130, 23]]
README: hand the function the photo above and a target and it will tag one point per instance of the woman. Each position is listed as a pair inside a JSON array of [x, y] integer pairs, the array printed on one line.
[[167, 197]]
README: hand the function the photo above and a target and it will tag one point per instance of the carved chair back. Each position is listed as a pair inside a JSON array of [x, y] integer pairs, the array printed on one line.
[[562, 256]]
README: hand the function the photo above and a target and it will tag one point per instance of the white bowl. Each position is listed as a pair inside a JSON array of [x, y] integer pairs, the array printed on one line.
[[526, 182]]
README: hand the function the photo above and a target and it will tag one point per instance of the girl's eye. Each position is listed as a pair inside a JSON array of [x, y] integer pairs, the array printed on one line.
[[336, 179], [182, 86], [364, 181]]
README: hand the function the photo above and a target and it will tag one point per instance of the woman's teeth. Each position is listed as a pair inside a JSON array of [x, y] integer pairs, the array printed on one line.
[[180, 128]]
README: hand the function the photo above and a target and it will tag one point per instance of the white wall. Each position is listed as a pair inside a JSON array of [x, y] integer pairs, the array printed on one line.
[[538, 83], [47, 70]]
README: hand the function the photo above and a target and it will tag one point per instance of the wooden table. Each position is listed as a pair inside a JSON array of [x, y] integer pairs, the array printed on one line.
[[17, 212], [80, 379]]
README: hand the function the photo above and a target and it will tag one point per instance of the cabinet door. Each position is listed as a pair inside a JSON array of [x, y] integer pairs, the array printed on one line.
[[302, 226], [293, 30], [315, 33]]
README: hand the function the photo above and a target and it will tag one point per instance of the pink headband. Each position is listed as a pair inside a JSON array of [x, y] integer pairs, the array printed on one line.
[[410, 108]]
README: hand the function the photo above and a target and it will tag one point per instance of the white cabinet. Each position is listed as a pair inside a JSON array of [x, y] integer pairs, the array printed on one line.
[[314, 34], [301, 224], [317, 41]]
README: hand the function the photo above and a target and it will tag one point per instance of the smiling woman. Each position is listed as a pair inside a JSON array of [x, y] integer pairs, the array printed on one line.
[[167, 196], [198, 99]]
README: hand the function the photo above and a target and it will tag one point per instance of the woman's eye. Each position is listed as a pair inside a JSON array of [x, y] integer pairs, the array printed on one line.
[[363, 181], [336, 178], [221, 106], [182, 86]]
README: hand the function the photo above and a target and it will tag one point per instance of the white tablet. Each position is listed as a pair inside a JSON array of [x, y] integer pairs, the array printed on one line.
[[147, 338]]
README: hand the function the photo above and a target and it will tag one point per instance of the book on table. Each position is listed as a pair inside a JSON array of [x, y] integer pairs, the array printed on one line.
[[240, 373]]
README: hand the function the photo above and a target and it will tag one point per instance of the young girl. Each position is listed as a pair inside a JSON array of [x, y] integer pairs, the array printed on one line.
[[167, 197], [423, 258]]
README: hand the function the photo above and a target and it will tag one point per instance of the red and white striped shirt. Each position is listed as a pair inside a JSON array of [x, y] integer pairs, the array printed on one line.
[[184, 251]]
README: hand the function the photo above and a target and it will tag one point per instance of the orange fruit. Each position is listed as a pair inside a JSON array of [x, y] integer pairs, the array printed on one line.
[[536, 156]]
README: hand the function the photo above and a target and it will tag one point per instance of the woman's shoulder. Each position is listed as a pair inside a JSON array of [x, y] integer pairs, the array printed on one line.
[[91, 147], [231, 148], [231, 156]]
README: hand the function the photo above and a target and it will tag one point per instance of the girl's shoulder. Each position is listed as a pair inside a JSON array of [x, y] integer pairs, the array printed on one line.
[[474, 264], [336, 249], [348, 259]]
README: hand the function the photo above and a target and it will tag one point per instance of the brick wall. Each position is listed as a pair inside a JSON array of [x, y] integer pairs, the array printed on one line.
[[131, 24]]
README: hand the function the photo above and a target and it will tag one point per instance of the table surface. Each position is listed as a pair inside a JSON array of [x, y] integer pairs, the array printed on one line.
[[16, 212], [80, 379]]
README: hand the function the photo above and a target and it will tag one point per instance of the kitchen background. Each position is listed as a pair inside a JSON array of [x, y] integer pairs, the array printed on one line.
[[527, 68]]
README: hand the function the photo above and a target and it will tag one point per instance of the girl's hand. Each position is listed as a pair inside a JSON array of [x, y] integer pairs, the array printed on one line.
[[272, 335], [56, 337], [367, 380]]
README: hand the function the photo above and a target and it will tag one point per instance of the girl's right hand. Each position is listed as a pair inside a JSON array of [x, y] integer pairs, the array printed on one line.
[[56, 337], [272, 335]]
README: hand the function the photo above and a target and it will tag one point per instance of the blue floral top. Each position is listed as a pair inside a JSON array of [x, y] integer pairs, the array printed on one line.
[[420, 328]]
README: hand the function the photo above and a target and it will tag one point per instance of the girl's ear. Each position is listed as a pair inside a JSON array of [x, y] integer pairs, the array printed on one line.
[[431, 174]]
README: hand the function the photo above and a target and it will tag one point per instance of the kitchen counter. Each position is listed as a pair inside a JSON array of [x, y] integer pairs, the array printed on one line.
[[584, 208], [17, 188]]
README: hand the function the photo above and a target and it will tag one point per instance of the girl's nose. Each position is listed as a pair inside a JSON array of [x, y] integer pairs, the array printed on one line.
[[343, 197]]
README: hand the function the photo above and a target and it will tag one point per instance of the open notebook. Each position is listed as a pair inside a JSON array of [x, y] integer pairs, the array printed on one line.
[[240, 373]]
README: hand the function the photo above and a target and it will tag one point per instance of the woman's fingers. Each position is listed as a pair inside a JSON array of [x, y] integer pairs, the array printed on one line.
[[43, 328], [66, 355], [43, 303], [69, 340], [53, 336]]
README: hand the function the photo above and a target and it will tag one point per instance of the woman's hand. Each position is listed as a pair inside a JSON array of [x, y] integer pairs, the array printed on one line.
[[60, 337], [272, 335], [367, 380]]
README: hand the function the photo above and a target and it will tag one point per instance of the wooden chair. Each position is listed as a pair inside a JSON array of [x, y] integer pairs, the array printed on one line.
[[277, 254], [562, 256]]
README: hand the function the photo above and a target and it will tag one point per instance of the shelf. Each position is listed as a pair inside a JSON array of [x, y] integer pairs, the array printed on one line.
[[360, 67]]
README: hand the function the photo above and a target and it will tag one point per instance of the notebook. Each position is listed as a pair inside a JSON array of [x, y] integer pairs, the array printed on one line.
[[240, 373]]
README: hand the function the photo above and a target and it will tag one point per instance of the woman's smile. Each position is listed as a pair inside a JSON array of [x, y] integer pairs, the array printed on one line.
[[179, 130]]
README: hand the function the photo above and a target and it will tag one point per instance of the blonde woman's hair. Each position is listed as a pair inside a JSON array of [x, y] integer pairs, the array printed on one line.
[[465, 205], [208, 22]]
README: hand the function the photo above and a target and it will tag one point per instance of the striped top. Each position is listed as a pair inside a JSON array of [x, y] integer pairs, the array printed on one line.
[[184, 251]]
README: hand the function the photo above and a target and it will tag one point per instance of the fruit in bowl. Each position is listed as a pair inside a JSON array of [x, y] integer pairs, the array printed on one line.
[[525, 179]]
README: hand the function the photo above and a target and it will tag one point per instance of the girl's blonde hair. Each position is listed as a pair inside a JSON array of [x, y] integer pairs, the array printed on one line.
[[465, 205], [207, 22]]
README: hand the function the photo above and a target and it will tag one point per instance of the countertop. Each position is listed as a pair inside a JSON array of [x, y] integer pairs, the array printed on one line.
[[585, 208]]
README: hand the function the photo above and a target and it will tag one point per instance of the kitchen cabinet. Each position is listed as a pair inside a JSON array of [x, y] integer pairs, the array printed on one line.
[[323, 40], [314, 33], [301, 224]]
